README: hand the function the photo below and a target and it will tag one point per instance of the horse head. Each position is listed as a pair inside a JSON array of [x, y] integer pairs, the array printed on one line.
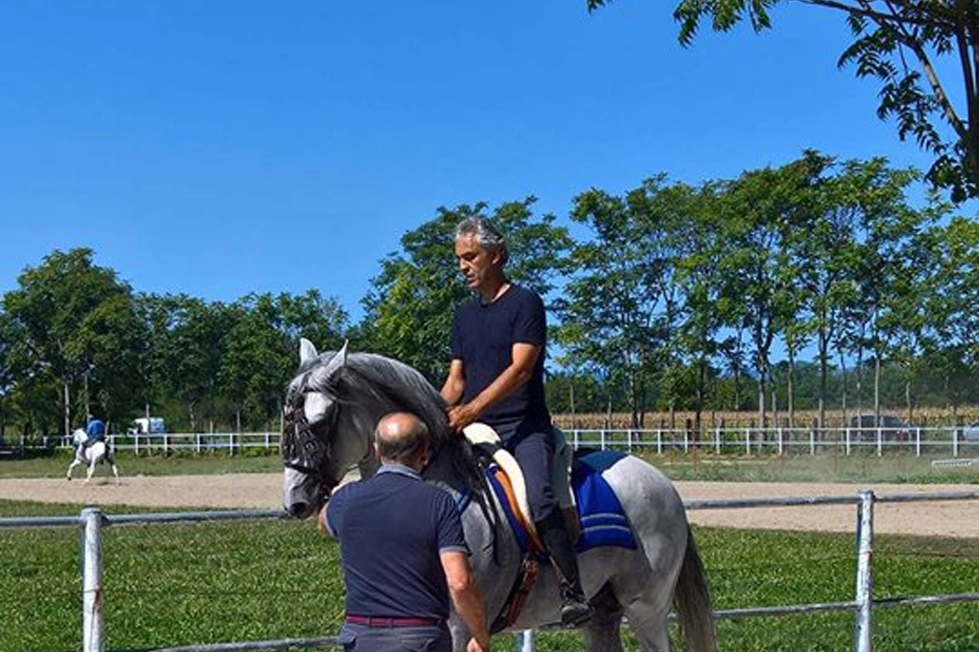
[[332, 407], [314, 457]]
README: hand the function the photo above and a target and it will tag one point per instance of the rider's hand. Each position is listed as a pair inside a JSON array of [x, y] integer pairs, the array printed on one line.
[[461, 416]]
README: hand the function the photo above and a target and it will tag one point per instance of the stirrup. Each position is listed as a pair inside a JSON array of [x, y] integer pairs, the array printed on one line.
[[575, 608]]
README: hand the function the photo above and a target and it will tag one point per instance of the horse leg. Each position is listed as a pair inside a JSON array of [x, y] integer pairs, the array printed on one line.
[[75, 462], [656, 514], [649, 624], [91, 470], [601, 632]]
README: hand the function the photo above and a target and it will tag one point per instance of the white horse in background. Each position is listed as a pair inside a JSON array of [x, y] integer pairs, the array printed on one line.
[[91, 455]]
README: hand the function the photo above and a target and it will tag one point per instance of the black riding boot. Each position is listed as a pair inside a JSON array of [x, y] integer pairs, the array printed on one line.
[[575, 608]]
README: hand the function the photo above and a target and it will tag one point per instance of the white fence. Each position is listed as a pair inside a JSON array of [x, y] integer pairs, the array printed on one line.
[[945, 441], [92, 520]]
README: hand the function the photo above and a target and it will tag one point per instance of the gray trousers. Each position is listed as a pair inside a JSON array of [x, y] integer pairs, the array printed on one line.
[[360, 638]]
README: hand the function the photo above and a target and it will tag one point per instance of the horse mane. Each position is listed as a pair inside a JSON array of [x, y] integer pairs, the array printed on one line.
[[367, 377]]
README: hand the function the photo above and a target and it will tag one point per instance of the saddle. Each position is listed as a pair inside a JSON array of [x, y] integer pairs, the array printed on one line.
[[515, 486]]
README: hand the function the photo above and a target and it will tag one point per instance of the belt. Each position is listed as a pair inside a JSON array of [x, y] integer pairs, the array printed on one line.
[[374, 621]]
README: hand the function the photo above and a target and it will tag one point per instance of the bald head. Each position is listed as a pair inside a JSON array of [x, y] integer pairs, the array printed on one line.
[[403, 438]]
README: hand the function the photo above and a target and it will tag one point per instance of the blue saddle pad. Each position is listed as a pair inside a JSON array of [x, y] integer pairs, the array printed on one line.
[[603, 522]]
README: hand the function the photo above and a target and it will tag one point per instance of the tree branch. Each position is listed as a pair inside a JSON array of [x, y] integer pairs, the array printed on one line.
[[937, 87], [867, 11]]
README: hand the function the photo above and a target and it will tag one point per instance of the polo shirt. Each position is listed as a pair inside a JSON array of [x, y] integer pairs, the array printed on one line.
[[483, 336], [392, 529]]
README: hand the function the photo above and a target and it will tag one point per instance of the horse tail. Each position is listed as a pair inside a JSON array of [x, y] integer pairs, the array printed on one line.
[[693, 604]]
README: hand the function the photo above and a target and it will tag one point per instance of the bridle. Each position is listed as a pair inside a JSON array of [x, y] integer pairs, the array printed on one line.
[[302, 450]]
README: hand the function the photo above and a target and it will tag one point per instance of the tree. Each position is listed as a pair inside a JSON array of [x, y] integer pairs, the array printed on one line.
[[955, 293], [76, 321], [620, 305], [704, 306], [187, 345], [760, 213], [898, 42], [828, 253], [409, 309], [7, 338]]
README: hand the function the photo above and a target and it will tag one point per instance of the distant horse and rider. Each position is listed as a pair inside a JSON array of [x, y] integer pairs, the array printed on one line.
[[91, 449], [635, 549]]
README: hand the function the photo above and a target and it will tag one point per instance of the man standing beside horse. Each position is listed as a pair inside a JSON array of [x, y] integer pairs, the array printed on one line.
[[496, 376], [403, 550]]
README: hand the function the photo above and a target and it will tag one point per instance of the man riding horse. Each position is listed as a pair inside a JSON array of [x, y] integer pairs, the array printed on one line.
[[94, 431], [496, 376]]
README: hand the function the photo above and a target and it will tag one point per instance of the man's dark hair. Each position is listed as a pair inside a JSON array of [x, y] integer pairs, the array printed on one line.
[[486, 234], [406, 447]]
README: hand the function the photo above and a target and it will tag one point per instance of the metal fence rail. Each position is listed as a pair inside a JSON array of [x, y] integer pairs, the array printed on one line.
[[92, 520]]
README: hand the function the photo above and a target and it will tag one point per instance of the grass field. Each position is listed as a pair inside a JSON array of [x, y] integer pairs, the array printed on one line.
[[207, 583], [703, 466]]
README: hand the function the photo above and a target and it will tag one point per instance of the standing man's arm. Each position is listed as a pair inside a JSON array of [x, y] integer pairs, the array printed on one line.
[[466, 599], [521, 370]]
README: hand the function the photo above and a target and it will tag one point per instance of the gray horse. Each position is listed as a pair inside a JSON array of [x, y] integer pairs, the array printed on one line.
[[332, 406]]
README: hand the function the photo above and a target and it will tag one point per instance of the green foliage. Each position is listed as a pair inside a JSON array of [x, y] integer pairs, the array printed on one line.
[[68, 318], [261, 348], [678, 298], [898, 44]]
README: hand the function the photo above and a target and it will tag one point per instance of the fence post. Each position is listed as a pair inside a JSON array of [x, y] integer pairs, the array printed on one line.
[[717, 437], [846, 434], [93, 623], [917, 441], [955, 442], [864, 593], [525, 641], [659, 441], [603, 438], [880, 441]]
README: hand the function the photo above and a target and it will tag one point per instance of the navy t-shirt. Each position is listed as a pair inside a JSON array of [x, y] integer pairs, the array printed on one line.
[[392, 529], [483, 336]]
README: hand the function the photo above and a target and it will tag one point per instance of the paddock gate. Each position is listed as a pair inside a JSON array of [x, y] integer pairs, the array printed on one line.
[[93, 520]]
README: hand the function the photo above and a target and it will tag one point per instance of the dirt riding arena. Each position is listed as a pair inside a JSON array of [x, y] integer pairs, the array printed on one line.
[[263, 491]]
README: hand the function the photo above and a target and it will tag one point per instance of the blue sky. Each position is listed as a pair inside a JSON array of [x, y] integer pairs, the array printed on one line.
[[219, 148]]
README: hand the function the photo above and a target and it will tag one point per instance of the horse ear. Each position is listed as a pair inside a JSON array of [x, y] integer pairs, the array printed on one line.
[[307, 351], [337, 361]]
